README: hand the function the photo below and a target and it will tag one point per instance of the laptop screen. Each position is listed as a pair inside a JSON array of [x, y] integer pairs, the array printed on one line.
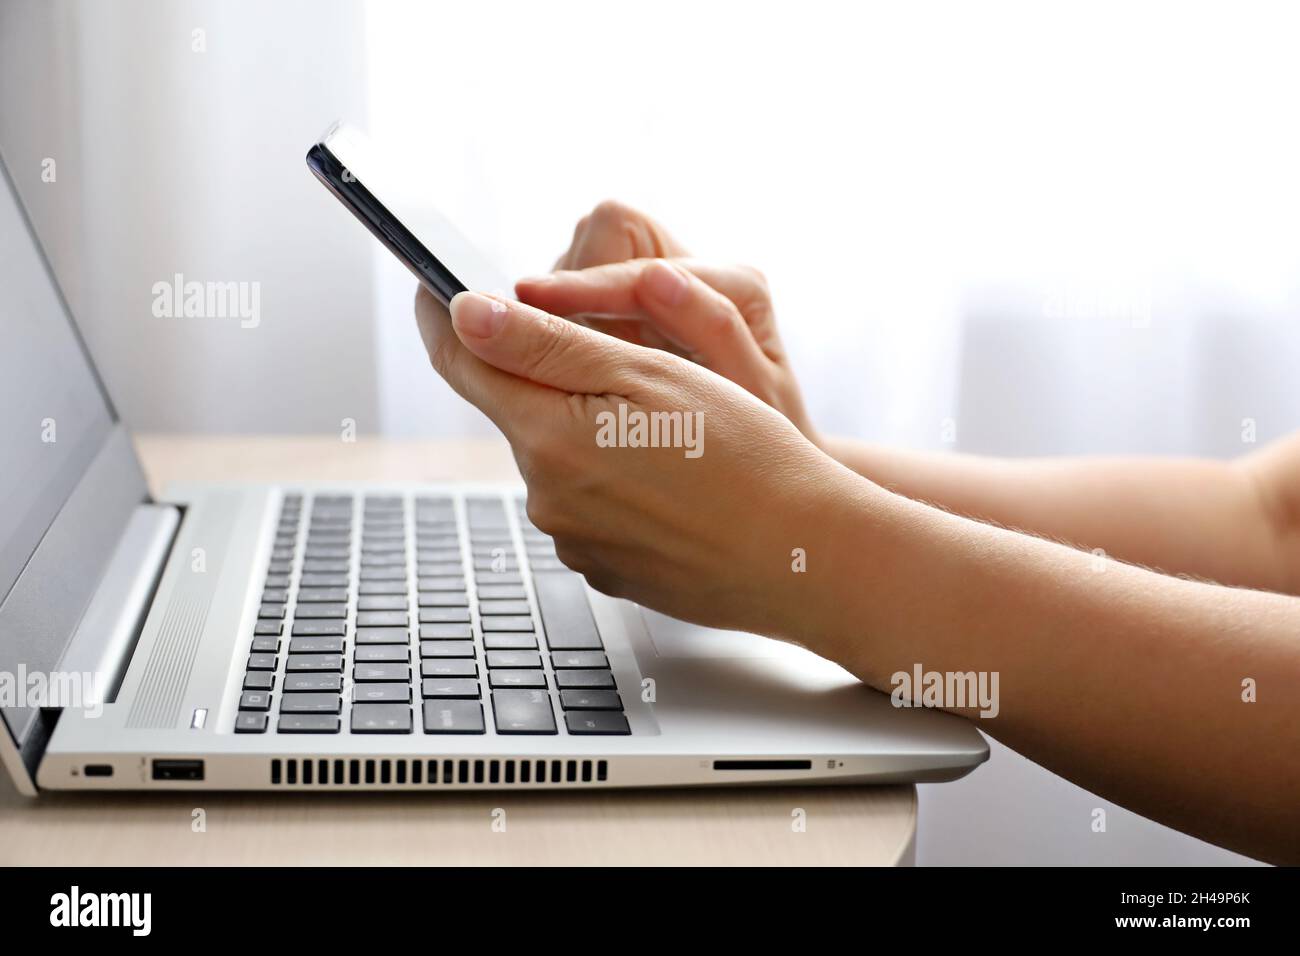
[[56, 415]]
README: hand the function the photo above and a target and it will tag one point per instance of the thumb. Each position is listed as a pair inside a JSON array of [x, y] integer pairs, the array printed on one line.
[[535, 345]]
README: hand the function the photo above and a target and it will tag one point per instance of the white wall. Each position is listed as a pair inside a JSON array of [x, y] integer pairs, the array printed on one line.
[[173, 160]]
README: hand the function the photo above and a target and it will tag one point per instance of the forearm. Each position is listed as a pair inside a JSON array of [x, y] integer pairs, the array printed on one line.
[[1125, 681], [1201, 518]]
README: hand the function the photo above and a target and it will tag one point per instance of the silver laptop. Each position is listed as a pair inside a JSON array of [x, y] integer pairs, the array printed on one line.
[[321, 636]]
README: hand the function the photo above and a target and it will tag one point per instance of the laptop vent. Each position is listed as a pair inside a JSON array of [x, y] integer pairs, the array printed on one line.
[[334, 772]]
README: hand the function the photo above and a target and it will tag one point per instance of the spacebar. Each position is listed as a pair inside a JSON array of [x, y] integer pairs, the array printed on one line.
[[566, 616]]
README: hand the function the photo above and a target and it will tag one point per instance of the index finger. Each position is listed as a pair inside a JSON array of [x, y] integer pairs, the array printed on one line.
[[613, 232]]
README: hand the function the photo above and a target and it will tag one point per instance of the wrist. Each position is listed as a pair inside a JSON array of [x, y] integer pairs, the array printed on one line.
[[838, 569]]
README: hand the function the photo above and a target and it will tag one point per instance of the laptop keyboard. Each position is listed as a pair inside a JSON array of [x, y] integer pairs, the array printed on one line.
[[424, 626]]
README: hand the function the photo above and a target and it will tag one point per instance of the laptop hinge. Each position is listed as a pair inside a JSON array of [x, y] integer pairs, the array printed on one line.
[[105, 639]]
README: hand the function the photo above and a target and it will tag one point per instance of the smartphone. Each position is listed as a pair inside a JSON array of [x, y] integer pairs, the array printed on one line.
[[395, 207]]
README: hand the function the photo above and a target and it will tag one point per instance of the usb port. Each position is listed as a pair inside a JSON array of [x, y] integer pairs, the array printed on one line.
[[99, 770], [178, 769]]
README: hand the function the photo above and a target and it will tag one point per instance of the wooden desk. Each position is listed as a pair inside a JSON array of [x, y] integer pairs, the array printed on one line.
[[841, 825]]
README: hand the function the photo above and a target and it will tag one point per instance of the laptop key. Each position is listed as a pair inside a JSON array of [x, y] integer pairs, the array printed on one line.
[[445, 632], [596, 722], [510, 642], [444, 615], [584, 679], [381, 719], [308, 611], [369, 588], [435, 584], [312, 683], [311, 704], [429, 556], [514, 659], [381, 693], [266, 645], [277, 580], [579, 660], [446, 648], [448, 668], [398, 673], [259, 680], [318, 566], [250, 723], [319, 628], [314, 662], [323, 595], [274, 596], [383, 619], [523, 712], [370, 653], [326, 552], [494, 577], [370, 544], [508, 623], [372, 559], [261, 662], [507, 592], [444, 599], [271, 611], [493, 608], [590, 700], [453, 717], [500, 678], [316, 645], [381, 602], [255, 700], [489, 545], [272, 628], [324, 581], [383, 635], [308, 724], [395, 573], [457, 687], [566, 616]]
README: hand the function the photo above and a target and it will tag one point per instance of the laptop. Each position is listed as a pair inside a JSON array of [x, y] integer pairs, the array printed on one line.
[[325, 635]]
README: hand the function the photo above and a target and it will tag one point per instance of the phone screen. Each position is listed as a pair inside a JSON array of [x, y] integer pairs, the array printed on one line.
[[440, 256]]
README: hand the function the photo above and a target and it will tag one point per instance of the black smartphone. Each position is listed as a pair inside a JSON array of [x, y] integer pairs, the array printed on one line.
[[386, 203]]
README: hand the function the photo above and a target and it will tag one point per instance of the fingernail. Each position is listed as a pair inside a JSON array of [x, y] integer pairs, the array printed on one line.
[[665, 283], [477, 315]]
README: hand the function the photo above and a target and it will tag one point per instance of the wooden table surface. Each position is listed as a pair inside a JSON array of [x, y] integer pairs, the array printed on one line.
[[720, 826]]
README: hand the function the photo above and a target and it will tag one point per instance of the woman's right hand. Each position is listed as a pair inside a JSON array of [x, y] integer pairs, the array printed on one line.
[[626, 276]]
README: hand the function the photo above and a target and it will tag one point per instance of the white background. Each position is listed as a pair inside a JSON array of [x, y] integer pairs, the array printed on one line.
[[1059, 228]]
